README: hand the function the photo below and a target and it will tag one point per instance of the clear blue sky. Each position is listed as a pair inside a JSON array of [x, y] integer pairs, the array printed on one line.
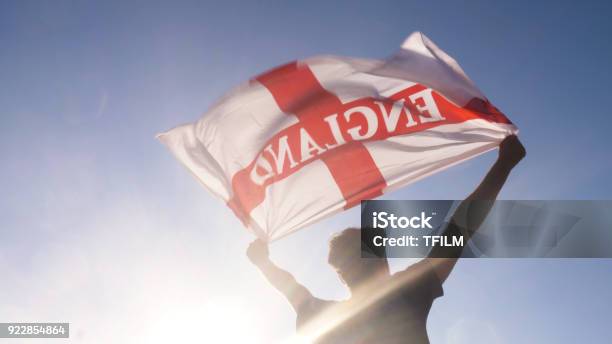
[[100, 226]]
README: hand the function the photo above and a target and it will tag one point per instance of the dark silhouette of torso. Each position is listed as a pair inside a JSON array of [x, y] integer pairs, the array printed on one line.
[[399, 316]]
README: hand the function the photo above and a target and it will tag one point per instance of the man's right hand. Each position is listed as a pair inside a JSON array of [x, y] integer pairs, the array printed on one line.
[[511, 151], [258, 252]]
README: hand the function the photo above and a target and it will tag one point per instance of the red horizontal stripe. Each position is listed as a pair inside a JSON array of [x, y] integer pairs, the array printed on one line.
[[297, 91]]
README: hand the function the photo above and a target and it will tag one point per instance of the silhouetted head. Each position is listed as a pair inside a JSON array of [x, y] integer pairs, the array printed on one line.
[[345, 257]]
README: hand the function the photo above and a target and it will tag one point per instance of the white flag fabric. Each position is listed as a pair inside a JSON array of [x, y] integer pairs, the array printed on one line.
[[314, 137]]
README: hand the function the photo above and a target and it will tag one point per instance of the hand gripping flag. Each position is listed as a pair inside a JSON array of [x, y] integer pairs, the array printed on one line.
[[314, 137]]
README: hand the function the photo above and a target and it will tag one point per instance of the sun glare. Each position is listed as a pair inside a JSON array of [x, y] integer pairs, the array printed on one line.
[[216, 321]]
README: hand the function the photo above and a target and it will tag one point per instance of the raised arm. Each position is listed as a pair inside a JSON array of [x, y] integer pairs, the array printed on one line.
[[282, 280], [473, 210]]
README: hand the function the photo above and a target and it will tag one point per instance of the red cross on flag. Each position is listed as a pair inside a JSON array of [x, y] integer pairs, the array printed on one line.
[[314, 137]]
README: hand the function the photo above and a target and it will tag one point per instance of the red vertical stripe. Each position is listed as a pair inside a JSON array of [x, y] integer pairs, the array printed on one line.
[[297, 91]]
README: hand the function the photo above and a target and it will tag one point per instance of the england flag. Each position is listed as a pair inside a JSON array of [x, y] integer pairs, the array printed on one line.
[[313, 137]]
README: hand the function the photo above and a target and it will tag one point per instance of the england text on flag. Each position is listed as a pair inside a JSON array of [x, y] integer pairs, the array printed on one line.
[[313, 137]]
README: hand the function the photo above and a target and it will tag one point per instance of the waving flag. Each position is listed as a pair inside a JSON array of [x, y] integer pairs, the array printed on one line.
[[313, 137]]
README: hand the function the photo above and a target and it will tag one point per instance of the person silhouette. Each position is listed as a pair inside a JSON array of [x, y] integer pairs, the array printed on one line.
[[385, 308]]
